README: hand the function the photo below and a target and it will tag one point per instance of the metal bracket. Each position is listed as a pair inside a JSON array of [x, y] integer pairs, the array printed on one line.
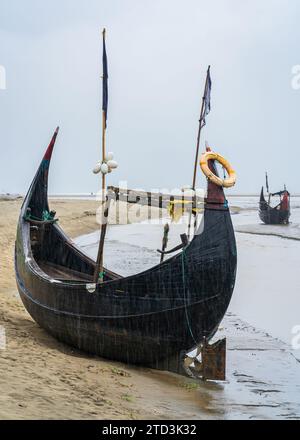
[[212, 363]]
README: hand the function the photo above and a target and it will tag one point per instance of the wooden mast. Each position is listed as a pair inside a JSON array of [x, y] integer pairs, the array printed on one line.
[[98, 274], [201, 125], [267, 187]]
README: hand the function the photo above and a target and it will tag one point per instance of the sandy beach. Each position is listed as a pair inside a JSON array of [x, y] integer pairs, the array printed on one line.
[[44, 379]]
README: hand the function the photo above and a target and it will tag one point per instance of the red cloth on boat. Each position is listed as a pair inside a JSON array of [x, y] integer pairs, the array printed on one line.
[[285, 201]]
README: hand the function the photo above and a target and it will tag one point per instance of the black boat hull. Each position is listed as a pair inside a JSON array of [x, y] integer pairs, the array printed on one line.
[[147, 319]]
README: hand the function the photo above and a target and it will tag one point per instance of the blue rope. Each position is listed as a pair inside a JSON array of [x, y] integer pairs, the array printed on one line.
[[184, 294], [101, 275], [46, 217]]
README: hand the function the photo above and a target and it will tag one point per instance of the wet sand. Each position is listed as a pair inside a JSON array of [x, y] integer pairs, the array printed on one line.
[[44, 379], [41, 378]]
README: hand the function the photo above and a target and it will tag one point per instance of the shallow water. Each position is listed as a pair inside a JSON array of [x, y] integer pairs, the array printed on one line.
[[263, 375], [267, 291], [251, 202], [248, 221]]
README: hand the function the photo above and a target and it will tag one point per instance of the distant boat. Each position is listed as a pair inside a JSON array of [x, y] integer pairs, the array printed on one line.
[[278, 214]]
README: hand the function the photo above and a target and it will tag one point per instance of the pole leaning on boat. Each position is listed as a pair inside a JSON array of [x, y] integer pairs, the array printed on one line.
[[205, 109], [99, 275]]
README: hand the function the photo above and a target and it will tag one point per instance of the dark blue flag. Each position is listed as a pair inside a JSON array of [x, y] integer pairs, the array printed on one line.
[[207, 94], [267, 183], [104, 80]]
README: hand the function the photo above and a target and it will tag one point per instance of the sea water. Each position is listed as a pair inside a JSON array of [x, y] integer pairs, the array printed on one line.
[[267, 290]]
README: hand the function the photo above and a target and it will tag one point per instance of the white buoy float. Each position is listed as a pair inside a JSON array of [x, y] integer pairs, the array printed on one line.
[[97, 168], [109, 156], [107, 165], [112, 164], [104, 168]]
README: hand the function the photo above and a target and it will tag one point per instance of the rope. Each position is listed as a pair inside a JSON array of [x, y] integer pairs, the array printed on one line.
[[224, 173], [46, 217], [183, 256], [101, 275]]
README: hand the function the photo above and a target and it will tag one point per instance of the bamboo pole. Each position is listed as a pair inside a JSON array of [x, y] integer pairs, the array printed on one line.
[[197, 151], [103, 150], [98, 274]]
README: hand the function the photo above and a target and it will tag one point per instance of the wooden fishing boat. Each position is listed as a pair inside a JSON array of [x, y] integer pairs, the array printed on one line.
[[152, 318], [275, 215]]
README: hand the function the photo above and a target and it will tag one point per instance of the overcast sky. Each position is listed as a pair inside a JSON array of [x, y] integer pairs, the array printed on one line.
[[158, 53]]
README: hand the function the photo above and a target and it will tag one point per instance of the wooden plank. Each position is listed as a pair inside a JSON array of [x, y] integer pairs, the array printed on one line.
[[159, 200]]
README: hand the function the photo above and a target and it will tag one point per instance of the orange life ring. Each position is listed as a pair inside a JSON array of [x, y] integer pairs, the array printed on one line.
[[210, 155]]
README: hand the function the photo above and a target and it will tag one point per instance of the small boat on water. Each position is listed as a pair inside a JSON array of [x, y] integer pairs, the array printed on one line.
[[278, 214], [149, 319]]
